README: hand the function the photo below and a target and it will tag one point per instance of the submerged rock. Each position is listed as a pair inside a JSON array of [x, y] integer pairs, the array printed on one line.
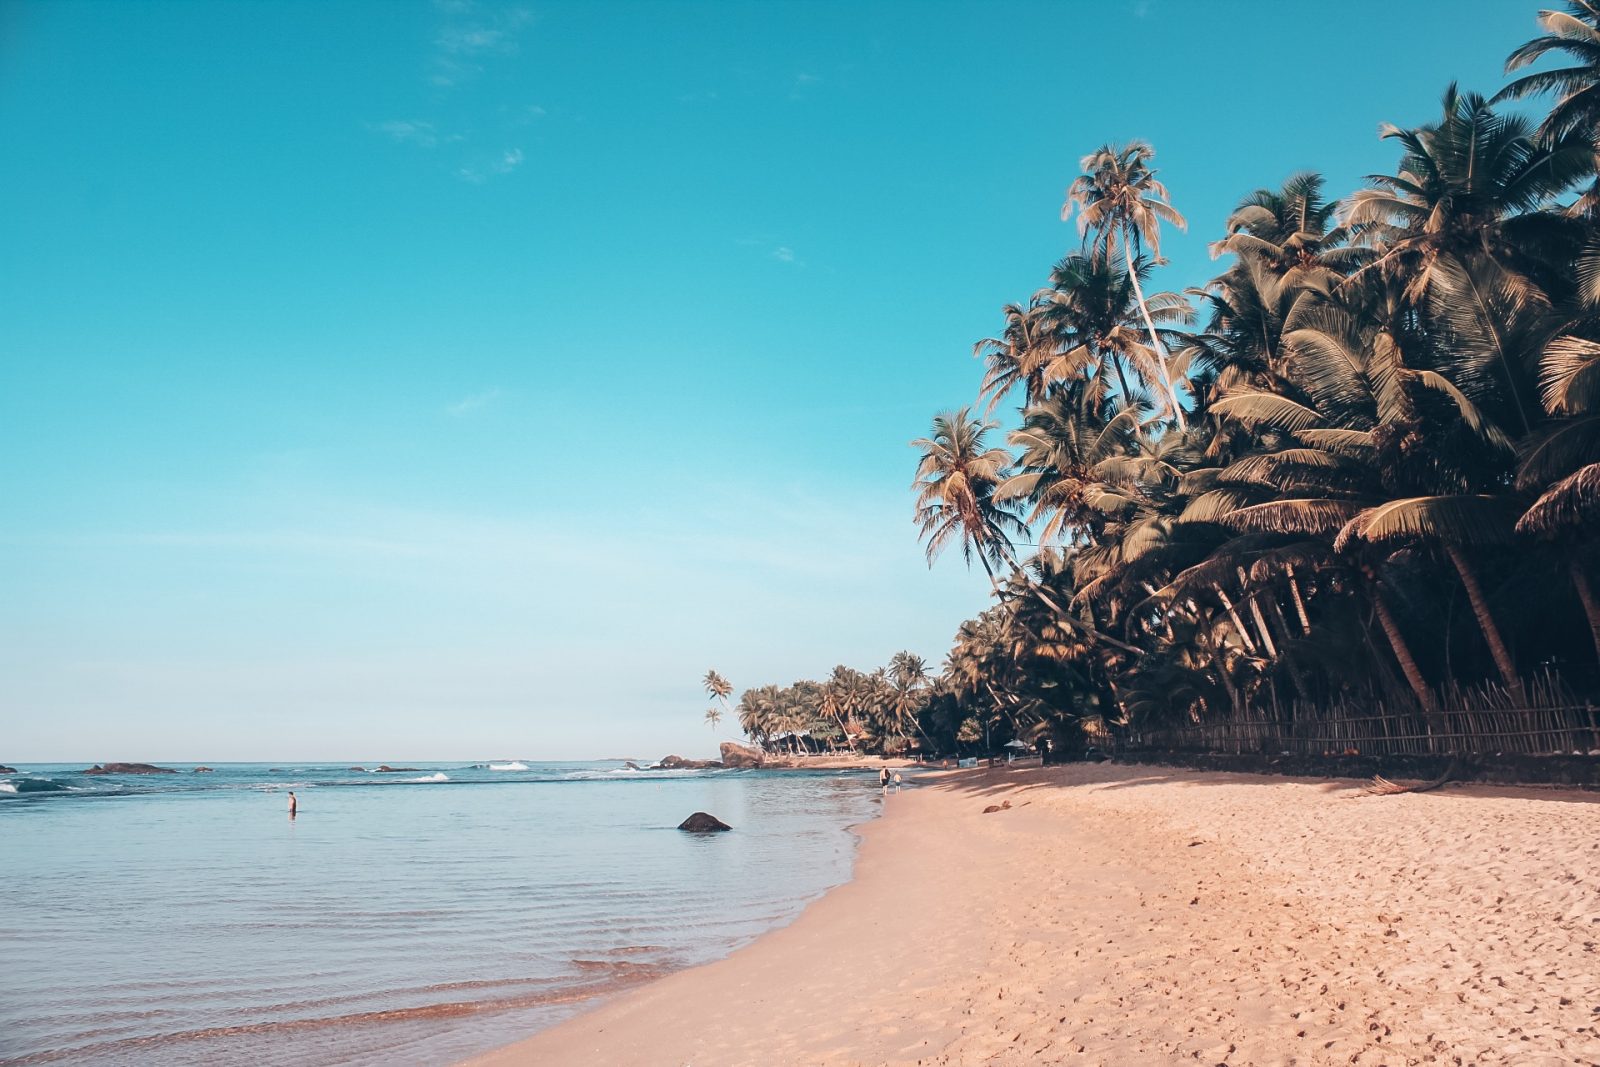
[[701, 823], [128, 768], [362, 769], [737, 755], [203, 770], [384, 768]]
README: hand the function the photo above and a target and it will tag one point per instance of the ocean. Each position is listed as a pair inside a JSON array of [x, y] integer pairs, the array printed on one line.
[[412, 917]]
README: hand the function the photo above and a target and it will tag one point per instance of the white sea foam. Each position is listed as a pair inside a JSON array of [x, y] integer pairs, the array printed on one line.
[[8, 787], [514, 765], [439, 777]]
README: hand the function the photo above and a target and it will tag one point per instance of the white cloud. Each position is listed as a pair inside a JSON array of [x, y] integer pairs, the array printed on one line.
[[783, 254]]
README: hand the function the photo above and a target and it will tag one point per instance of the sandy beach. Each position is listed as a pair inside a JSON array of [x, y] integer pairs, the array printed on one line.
[[1140, 915]]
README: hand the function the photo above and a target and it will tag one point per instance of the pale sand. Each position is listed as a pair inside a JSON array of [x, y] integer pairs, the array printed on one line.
[[1130, 916]]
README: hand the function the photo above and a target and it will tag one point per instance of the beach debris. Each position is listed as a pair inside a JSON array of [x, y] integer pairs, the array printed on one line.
[[128, 768], [997, 807], [1382, 787], [701, 823]]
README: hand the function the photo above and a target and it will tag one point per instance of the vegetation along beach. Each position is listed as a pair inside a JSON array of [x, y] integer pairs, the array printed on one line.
[[411, 402]]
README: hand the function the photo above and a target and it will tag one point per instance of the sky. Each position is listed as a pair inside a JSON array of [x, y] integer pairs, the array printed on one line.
[[461, 380]]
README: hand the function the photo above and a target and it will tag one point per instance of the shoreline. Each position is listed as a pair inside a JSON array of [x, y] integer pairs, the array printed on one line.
[[1133, 914]]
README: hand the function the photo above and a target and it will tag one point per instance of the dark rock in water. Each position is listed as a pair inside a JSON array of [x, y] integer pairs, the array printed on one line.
[[7, 770], [630, 765], [384, 768], [204, 770], [678, 763], [128, 768], [701, 823], [737, 755], [361, 769]]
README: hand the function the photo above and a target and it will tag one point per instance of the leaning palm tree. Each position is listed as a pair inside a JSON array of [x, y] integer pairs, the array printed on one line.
[[956, 482], [1120, 200]]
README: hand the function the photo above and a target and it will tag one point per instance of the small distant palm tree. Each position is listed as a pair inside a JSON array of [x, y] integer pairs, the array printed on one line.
[[720, 688]]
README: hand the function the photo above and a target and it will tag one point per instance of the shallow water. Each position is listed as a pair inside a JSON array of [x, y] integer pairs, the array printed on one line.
[[405, 918]]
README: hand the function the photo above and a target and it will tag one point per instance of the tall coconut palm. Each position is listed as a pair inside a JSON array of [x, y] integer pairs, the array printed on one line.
[[1120, 202]]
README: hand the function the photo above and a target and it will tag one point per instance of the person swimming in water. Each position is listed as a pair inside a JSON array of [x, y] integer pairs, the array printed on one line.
[[293, 804]]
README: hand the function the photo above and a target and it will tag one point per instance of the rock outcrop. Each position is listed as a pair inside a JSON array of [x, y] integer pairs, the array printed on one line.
[[701, 823], [737, 755], [7, 770], [204, 770], [678, 763], [384, 768], [128, 768]]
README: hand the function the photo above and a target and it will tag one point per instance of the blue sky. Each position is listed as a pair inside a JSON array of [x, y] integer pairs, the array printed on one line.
[[458, 380]]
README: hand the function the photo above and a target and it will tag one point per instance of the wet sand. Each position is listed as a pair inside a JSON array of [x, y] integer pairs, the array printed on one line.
[[1140, 915]]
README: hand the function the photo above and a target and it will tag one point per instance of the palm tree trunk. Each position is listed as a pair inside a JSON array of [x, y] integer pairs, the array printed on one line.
[[1402, 652], [1255, 610], [1591, 607], [1155, 342], [1299, 602], [1238, 623], [1480, 608]]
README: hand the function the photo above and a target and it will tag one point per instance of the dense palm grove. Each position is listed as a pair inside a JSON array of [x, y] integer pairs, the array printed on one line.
[[1362, 463]]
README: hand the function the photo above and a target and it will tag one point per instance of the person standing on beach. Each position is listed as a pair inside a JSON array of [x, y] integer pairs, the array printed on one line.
[[293, 804], [883, 778]]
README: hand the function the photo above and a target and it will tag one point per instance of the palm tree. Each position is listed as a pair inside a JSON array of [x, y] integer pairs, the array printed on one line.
[[956, 482], [713, 716], [1119, 199], [1575, 32], [718, 687]]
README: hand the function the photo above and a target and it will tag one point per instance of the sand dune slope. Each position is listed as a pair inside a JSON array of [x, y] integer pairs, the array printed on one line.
[[1128, 916]]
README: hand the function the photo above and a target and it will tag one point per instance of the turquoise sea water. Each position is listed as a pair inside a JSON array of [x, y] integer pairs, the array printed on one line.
[[406, 918]]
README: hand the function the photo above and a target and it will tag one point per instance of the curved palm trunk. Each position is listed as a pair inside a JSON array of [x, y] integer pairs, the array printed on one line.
[[1408, 665], [1061, 613], [1480, 608], [1591, 607], [1155, 342]]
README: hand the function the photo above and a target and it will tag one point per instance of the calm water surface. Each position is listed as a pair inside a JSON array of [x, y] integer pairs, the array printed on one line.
[[409, 918]]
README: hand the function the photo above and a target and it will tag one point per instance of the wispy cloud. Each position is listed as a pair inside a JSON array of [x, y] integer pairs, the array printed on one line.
[[783, 254], [402, 131], [480, 172], [470, 34], [468, 404]]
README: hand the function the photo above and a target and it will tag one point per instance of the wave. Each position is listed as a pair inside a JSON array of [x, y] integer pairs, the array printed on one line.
[[32, 785], [439, 777], [514, 765]]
